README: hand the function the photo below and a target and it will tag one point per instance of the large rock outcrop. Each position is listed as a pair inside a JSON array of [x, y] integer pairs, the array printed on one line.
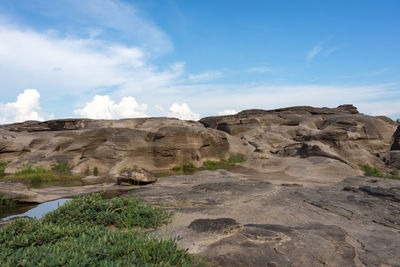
[[111, 145], [341, 134], [297, 142]]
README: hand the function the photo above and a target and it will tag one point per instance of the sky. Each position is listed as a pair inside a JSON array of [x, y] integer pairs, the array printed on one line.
[[111, 59]]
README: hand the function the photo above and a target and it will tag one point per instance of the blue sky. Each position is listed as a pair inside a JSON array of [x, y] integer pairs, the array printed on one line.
[[190, 59]]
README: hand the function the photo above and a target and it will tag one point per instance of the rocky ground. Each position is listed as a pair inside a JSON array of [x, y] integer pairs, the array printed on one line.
[[238, 220]]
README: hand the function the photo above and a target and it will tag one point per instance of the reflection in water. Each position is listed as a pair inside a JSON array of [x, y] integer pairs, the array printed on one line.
[[41, 209]]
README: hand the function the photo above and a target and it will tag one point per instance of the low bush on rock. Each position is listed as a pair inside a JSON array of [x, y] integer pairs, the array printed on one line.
[[376, 172], [77, 234]]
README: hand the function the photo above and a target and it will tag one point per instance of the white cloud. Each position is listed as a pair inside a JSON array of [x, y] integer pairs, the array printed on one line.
[[76, 66], [183, 112], [315, 51], [205, 76], [227, 112], [25, 108], [102, 107], [250, 96], [263, 69]]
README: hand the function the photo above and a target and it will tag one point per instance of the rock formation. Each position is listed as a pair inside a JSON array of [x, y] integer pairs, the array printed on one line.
[[285, 140], [292, 142], [111, 145]]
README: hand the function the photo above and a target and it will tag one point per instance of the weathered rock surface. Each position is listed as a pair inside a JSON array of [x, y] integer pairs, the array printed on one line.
[[297, 142], [341, 134], [240, 220], [111, 145], [22, 193], [136, 176]]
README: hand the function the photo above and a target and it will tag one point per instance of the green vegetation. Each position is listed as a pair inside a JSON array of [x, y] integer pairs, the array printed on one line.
[[61, 168], [95, 171], [398, 121], [3, 166], [190, 168], [376, 172], [94, 210], [77, 235], [36, 175]]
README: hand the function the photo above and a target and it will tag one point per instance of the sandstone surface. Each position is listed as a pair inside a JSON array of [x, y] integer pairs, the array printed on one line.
[[111, 145], [342, 135], [297, 143], [136, 176], [232, 219]]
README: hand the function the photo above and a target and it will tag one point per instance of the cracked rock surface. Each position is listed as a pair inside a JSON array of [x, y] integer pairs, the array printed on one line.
[[231, 219]]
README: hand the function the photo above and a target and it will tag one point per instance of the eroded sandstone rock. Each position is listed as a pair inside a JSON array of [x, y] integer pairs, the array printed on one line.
[[136, 176], [111, 145]]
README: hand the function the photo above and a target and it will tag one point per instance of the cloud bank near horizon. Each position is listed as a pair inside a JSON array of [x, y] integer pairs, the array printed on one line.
[[27, 106]]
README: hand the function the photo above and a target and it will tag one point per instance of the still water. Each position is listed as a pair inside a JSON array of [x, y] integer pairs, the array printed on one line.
[[38, 211]]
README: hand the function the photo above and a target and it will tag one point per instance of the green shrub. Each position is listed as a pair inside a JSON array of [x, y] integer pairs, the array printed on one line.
[[3, 166], [95, 171], [372, 171]]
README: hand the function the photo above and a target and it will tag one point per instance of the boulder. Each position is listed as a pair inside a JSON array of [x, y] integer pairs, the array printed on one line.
[[135, 176]]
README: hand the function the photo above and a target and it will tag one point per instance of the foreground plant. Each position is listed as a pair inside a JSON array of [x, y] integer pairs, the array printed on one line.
[[78, 234]]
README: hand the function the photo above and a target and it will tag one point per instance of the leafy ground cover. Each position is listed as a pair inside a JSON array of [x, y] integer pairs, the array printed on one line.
[[79, 234], [376, 172]]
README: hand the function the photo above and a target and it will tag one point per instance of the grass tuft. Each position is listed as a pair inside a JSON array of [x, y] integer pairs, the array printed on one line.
[[376, 172]]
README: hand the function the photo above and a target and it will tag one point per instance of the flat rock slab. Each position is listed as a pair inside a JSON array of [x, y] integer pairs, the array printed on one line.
[[22, 193], [232, 219]]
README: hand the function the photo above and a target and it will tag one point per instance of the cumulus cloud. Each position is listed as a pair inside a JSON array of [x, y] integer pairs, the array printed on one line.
[[227, 112], [183, 112], [102, 107], [25, 108]]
